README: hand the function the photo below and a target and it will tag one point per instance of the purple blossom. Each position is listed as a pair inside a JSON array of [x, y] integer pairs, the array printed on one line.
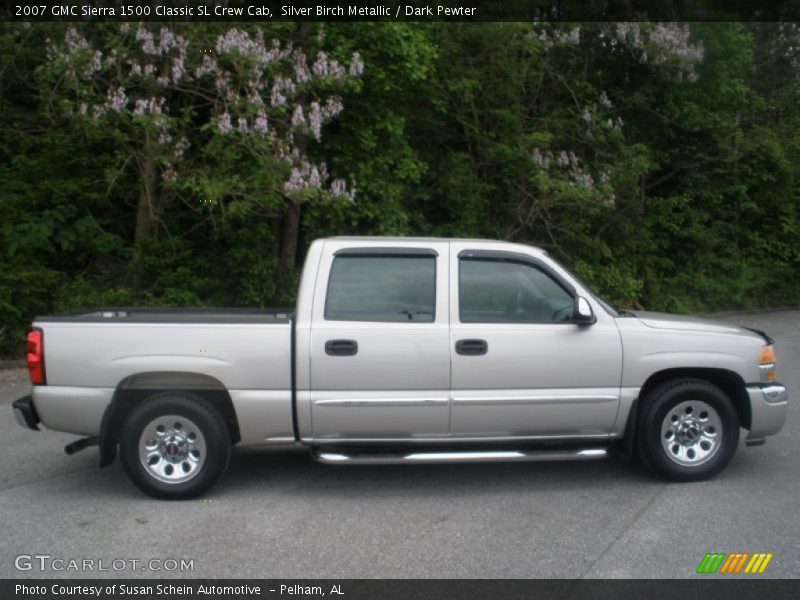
[[225, 126], [146, 37], [240, 42], [315, 120], [541, 159], [117, 99], [75, 41], [177, 69], [336, 71], [320, 67], [221, 82], [305, 176], [298, 118], [180, 147], [207, 67], [260, 124], [97, 61], [167, 41], [301, 72], [333, 106], [339, 190], [573, 160], [356, 65]]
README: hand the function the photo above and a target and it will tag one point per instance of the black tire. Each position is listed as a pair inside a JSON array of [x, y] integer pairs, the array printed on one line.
[[670, 397], [201, 415]]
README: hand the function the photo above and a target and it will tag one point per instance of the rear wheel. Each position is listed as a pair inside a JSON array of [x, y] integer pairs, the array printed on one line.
[[688, 431], [175, 446]]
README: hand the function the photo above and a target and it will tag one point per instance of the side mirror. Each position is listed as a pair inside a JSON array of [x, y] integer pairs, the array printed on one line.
[[582, 313]]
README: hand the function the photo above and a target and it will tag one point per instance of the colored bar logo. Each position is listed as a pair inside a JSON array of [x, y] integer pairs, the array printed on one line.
[[734, 563]]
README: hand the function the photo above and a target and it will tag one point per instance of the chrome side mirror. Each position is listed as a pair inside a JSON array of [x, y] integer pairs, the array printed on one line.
[[583, 313]]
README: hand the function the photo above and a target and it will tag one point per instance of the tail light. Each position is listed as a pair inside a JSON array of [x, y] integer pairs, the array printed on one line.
[[35, 356]]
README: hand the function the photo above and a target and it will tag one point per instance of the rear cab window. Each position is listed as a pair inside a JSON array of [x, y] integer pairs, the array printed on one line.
[[382, 287]]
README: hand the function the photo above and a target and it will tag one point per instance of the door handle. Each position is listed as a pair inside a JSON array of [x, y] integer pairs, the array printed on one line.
[[341, 347], [472, 347]]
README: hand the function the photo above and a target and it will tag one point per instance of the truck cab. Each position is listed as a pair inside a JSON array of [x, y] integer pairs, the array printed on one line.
[[420, 340]]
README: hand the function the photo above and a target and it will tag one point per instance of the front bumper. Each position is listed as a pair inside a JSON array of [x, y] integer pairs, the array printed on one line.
[[768, 405], [25, 413]]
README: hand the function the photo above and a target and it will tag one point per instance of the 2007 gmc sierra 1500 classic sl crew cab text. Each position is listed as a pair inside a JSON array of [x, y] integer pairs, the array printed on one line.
[[404, 350]]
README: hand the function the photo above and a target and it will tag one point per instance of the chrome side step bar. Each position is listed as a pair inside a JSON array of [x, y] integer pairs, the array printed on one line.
[[343, 456]]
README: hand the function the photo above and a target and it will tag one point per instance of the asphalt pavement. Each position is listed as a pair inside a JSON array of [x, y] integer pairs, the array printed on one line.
[[278, 514]]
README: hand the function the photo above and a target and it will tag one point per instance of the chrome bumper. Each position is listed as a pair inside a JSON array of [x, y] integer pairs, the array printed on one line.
[[768, 405]]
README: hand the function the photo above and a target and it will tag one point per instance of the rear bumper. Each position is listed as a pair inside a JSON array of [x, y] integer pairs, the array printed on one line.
[[25, 413], [768, 405]]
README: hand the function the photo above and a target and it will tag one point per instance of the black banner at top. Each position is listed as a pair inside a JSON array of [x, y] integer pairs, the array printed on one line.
[[399, 10]]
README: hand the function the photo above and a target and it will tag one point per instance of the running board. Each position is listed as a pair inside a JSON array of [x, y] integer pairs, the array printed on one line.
[[342, 456]]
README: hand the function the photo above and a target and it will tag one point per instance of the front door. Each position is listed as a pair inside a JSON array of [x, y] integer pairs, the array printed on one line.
[[380, 359], [520, 368]]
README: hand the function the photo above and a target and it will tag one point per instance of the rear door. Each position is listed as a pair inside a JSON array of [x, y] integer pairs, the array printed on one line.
[[520, 367], [380, 349]]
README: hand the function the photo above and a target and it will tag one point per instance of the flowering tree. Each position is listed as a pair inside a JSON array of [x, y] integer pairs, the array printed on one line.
[[595, 123], [273, 99], [154, 88], [132, 79], [666, 45]]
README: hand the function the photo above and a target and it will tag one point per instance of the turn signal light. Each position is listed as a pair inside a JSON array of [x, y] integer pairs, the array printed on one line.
[[766, 361], [767, 355], [34, 356]]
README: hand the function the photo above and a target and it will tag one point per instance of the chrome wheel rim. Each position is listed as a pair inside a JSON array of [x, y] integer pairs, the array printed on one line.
[[691, 433], [172, 449]]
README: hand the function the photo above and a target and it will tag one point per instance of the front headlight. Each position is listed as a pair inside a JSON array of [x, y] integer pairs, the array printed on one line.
[[766, 364]]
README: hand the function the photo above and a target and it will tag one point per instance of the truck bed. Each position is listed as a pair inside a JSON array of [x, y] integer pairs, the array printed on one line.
[[240, 348]]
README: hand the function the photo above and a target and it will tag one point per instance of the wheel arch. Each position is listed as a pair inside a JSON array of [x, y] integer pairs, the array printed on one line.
[[728, 381], [136, 388]]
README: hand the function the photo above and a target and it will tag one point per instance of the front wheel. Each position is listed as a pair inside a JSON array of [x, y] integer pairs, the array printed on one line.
[[688, 430], [175, 446]]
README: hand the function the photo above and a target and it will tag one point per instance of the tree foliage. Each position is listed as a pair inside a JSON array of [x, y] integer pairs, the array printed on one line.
[[191, 164]]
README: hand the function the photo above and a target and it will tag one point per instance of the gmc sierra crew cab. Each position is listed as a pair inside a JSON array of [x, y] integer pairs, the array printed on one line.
[[404, 350]]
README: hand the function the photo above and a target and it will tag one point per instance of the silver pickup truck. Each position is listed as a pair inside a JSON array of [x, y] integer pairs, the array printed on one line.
[[404, 350]]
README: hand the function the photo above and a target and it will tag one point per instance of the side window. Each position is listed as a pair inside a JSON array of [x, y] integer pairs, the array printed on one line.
[[382, 288], [497, 291]]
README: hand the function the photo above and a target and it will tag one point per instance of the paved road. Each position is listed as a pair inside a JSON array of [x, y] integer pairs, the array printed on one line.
[[278, 514]]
